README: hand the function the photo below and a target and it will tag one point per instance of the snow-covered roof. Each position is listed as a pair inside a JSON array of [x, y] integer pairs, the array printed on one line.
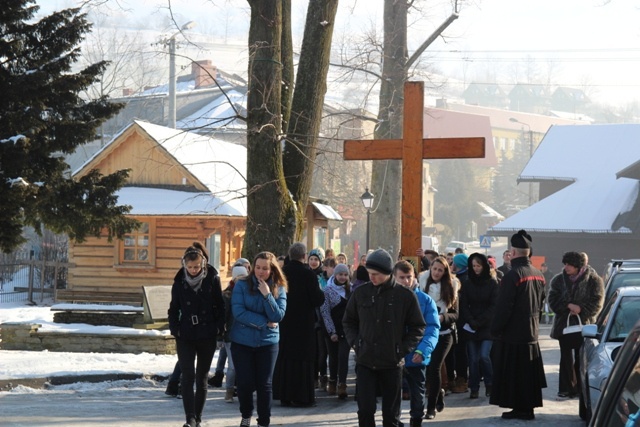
[[218, 114], [158, 201], [587, 157], [327, 211], [221, 166]]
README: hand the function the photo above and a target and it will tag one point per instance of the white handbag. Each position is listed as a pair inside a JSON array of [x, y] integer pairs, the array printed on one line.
[[573, 329]]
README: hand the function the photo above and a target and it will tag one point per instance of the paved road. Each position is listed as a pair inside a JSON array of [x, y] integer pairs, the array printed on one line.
[[141, 403]]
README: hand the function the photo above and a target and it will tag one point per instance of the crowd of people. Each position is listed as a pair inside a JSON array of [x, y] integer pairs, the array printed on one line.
[[288, 327]]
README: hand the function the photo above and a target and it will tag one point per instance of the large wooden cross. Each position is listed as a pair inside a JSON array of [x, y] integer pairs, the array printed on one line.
[[411, 149]]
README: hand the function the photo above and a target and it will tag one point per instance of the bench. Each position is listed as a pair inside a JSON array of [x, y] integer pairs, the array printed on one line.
[[73, 296]]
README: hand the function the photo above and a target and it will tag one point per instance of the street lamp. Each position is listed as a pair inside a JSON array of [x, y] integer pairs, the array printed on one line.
[[367, 202], [530, 132], [171, 41]]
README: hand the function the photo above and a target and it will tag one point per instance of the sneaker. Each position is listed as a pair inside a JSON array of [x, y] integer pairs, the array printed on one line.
[[246, 422], [431, 414]]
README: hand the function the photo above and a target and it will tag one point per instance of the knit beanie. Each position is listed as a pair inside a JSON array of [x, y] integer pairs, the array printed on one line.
[[341, 268], [318, 253], [460, 261], [238, 271], [381, 261], [241, 261]]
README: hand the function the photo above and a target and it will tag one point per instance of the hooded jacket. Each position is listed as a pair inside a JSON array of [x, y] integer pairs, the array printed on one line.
[[431, 332]]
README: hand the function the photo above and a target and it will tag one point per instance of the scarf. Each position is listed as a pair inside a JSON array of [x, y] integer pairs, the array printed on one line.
[[576, 278], [337, 287], [196, 281]]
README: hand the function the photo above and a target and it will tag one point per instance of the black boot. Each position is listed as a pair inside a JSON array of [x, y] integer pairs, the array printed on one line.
[[173, 388], [216, 379], [415, 422]]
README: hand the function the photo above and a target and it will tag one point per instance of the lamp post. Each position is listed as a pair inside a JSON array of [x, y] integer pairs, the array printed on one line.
[[367, 202], [171, 41], [530, 133]]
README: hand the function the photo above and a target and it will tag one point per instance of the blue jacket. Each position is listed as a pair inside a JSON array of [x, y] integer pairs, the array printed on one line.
[[251, 313], [430, 337]]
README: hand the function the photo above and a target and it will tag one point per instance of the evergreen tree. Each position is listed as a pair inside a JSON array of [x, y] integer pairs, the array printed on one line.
[[42, 119]]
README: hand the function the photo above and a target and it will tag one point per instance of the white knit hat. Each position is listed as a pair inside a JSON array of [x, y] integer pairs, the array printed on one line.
[[239, 270]]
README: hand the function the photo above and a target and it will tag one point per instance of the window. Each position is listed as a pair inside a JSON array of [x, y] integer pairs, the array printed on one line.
[[134, 248]]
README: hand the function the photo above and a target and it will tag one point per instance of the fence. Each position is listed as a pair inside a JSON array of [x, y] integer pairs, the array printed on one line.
[[31, 280]]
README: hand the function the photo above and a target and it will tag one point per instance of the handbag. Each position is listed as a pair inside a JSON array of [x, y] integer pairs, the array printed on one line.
[[573, 329]]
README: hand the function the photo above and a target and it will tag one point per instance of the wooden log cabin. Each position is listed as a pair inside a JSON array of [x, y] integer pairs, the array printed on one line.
[[182, 187]]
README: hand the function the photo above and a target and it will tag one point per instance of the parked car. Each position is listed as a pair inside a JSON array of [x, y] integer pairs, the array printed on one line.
[[621, 273], [602, 342], [453, 245], [619, 405]]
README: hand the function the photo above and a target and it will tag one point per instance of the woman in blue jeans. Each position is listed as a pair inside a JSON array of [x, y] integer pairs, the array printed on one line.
[[258, 304], [477, 304]]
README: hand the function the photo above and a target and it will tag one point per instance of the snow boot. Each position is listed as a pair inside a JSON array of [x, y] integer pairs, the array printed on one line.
[[331, 387], [342, 391]]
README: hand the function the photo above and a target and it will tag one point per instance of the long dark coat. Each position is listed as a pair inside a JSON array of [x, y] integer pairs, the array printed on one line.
[[518, 369], [478, 298], [294, 375]]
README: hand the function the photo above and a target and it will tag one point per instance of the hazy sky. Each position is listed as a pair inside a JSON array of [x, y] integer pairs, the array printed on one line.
[[590, 44]]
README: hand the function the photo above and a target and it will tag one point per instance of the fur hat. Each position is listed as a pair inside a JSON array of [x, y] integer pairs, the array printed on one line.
[[237, 271], [341, 268], [381, 261], [461, 261], [318, 253], [521, 240]]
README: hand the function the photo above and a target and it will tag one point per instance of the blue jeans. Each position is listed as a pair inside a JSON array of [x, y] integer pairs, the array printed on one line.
[[254, 372], [479, 358], [416, 379], [231, 370], [222, 360]]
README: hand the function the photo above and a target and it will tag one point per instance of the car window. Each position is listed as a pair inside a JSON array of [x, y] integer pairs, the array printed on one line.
[[626, 316], [603, 318], [622, 280], [627, 411]]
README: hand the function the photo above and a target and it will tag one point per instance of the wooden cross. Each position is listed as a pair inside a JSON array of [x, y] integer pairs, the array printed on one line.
[[411, 149]]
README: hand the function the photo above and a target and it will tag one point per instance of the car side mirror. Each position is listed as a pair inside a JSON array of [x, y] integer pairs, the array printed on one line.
[[590, 331]]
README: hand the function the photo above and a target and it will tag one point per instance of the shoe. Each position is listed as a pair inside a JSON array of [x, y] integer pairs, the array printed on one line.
[[567, 395], [323, 383], [474, 395], [440, 401], [460, 386], [487, 390], [173, 389], [246, 422], [430, 415], [331, 388], [228, 395], [191, 423], [415, 422], [519, 415], [342, 391], [216, 379]]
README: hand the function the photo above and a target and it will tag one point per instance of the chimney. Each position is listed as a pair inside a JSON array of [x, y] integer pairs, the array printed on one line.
[[203, 72]]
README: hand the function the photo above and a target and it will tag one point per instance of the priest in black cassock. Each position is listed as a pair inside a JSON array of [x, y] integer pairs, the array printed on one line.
[[294, 375], [518, 370]]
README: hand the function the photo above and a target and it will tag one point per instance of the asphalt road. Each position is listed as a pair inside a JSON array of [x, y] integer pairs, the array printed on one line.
[[142, 403]]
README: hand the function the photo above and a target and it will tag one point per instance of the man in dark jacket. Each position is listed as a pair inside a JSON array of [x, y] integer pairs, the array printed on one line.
[[518, 370], [294, 374], [383, 323]]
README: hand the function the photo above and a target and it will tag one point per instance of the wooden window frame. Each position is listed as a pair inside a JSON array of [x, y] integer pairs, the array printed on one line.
[[150, 263]]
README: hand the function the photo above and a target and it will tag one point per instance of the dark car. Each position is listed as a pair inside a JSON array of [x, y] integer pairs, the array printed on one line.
[[619, 405], [620, 273]]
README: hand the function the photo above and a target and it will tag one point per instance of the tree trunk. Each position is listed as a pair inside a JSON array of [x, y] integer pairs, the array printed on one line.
[[270, 209], [287, 63], [386, 178], [307, 104]]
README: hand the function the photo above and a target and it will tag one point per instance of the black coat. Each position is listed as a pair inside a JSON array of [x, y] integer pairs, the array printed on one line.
[[384, 323], [297, 329], [196, 315], [520, 297], [478, 298]]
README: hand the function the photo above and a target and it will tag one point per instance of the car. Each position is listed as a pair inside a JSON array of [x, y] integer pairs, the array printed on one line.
[[622, 273], [619, 405], [602, 342], [455, 244]]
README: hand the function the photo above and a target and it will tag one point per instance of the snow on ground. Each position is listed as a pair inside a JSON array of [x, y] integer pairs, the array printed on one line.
[[42, 364]]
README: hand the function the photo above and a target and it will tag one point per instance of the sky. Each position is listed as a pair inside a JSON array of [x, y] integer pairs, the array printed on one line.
[[591, 44]]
